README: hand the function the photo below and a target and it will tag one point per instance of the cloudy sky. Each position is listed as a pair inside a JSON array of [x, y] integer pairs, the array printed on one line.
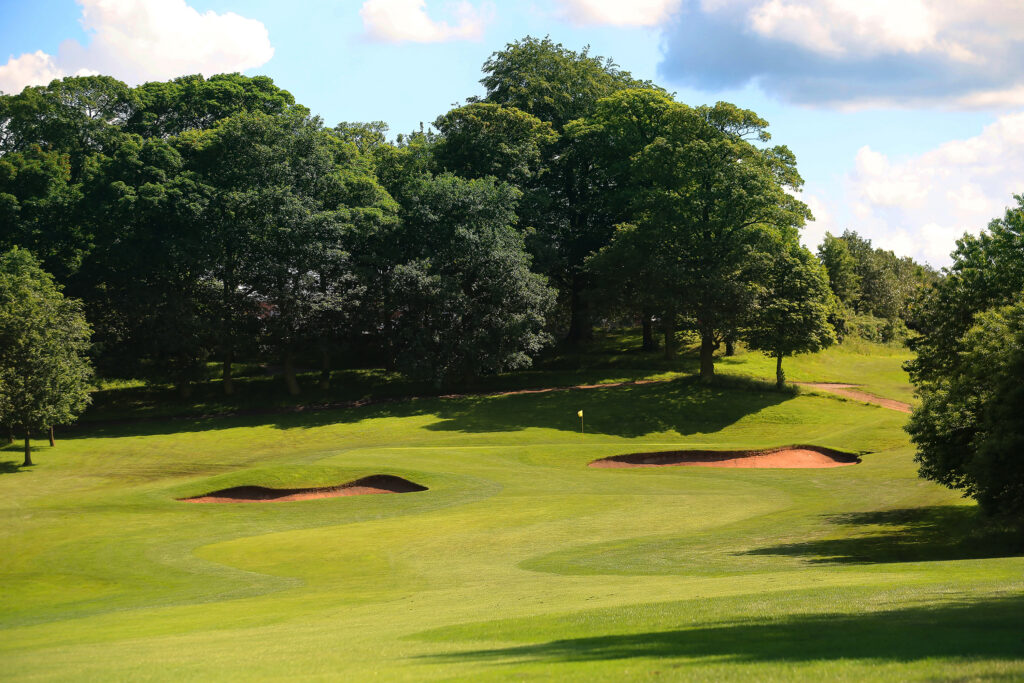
[[906, 116]]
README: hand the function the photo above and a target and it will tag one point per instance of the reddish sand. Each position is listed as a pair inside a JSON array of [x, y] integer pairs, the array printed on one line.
[[792, 457], [378, 483], [850, 391]]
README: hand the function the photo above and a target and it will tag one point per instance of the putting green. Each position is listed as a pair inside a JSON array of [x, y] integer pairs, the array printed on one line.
[[518, 561]]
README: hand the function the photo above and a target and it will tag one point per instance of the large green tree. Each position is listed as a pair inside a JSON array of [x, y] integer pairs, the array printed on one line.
[[460, 300], [968, 365], [44, 338], [480, 140], [78, 116], [143, 280], [307, 271], [792, 311], [241, 166], [39, 208], [834, 254], [164, 108], [969, 428], [708, 201], [284, 201], [557, 85]]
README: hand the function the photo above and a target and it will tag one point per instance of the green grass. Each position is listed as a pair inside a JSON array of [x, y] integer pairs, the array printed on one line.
[[519, 561], [614, 356]]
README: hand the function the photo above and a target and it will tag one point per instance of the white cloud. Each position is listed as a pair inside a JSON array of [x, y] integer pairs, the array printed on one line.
[[31, 68], [963, 31], [617, 12], [855, 52], [814, 232], [837, 26], [397, 21], [140, 40], [918, 206]]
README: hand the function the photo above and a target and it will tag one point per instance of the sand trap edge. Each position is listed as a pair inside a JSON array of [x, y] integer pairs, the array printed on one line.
[[783, 457], [375, 483]]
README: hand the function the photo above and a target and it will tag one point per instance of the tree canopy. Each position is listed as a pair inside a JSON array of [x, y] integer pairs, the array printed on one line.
[[44, 339], [969, 429], [213, 219], [705, 198], [793, 308]]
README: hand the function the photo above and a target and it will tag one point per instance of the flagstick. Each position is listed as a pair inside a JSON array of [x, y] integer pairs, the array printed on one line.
[[581, 424]]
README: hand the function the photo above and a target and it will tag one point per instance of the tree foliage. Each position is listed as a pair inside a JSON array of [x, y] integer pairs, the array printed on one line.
[[557, 86], [968, 368], [44, 338], [461, 300], [703, 197], [480, 140], [878, 290], [214, 218], [38, 204], [793, 309], [834, 254]]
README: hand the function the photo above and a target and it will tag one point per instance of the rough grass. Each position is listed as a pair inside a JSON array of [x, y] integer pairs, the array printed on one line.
[[520, 561]]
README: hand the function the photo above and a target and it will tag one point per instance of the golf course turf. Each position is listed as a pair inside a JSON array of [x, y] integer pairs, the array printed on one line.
[[377, 483], [518, 560]]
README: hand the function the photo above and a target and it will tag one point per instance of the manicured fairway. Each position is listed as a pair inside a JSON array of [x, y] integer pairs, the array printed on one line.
[[519, 561]]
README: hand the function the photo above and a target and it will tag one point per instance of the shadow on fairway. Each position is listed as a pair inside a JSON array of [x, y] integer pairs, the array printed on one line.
[[926, 534], [9, 467], [990, 629], [285, 418], [684, 405]]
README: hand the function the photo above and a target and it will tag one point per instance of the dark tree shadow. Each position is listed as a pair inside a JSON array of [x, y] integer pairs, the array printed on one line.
[[280, 418], [10, 466], [684, 405], [984, 629], [926, 534]]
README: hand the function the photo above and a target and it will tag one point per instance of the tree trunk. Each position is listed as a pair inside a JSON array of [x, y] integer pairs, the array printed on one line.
[[53, 442], [185, 389], [650, 341], [28, 451], [580, 326], [668, 323], [226, 379], [730, 347], [707, 358], [325, 368], [780, 376], [289, 374], [227, 342]]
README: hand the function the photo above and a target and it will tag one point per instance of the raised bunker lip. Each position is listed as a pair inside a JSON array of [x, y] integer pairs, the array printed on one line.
[[783, 457], [375, 483]]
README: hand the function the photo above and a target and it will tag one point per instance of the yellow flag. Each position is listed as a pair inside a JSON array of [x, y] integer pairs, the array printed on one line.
[[579, 414]]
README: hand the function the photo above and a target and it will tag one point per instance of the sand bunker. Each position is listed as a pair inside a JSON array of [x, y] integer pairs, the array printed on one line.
[[792, 457], [377, 483]]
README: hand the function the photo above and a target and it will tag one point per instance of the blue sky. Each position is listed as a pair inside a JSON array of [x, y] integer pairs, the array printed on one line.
[[907, 117]]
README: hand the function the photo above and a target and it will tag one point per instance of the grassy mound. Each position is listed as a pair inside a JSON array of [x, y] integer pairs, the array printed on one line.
[[375, 483]]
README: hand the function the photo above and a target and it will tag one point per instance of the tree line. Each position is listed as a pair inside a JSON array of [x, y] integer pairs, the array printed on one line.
[[878, 292], [216, 220]]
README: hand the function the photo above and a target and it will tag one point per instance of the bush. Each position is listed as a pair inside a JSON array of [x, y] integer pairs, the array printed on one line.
[[878, 330]]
